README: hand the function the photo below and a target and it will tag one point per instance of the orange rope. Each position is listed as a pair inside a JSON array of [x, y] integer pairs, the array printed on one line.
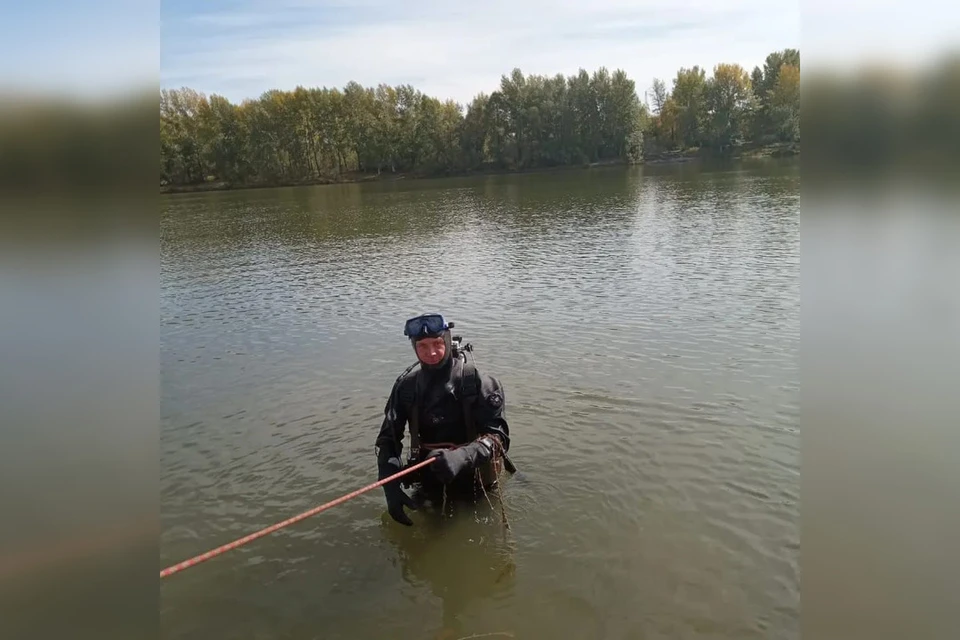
[[312, 512]]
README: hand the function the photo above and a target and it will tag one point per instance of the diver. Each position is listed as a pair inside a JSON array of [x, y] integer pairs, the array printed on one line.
[[454, 413]]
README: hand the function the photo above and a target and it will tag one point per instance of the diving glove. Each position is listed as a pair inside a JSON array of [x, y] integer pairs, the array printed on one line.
[[452, 462], [397, 499]]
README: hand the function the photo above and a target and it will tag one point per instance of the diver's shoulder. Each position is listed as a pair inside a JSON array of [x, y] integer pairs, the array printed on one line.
[[489, 383], [486, 381]]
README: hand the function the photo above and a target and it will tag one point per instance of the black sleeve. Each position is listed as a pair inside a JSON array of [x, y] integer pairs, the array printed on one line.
[[491, 410], [390, 439]]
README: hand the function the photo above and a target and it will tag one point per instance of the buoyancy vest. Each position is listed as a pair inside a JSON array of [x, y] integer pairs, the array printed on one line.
[[467, 380]]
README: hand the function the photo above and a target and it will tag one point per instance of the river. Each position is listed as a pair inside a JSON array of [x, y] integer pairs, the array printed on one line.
[[645, 325]]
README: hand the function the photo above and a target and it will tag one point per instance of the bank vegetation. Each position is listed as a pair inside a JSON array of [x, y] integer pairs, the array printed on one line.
[[530, 122]]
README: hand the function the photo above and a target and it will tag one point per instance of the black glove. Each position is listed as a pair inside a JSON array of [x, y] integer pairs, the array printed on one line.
[[452, 462], [396, 498]]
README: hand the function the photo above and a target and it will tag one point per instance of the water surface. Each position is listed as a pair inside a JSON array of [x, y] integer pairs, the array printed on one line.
[[645, 325]]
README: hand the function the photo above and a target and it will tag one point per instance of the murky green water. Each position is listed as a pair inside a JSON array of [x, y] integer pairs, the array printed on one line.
[[645, 324]]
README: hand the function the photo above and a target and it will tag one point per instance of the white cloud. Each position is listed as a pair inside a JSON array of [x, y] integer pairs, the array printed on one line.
[[454, 50]]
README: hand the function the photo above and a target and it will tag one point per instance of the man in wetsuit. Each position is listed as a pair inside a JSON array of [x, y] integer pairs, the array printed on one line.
[[454, 413]]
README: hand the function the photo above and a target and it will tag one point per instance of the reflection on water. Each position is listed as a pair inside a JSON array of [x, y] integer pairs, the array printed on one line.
[[645, 324], [479, 548]]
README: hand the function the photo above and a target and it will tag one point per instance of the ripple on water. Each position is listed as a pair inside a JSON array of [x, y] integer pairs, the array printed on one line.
[[645, 328]]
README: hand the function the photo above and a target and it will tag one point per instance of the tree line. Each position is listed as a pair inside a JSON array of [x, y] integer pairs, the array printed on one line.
[[729, 108], [532, 121]]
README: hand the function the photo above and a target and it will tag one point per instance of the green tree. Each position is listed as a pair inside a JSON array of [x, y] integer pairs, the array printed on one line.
[[690, 96], [784, 104], [180, 110], [729, 99], [473, 134], [311, 134], [775, 122], [625, 118], [386, 128], [360, 115]]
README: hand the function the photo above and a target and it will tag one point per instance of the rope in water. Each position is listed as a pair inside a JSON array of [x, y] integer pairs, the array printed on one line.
[[186, 564]]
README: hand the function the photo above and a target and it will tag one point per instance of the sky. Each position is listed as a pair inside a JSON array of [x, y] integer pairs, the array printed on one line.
[[446, 48], [89, 48], [455, 49]]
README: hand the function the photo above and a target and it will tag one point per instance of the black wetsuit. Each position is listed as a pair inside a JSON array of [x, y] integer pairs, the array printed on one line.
[[438, 394]]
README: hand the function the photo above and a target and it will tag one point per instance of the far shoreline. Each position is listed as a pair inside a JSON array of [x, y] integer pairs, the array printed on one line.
[[693, 155]]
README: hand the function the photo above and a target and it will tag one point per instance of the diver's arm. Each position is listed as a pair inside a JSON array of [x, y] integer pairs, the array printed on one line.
[[389, 443], [491, 414], [389, 447]]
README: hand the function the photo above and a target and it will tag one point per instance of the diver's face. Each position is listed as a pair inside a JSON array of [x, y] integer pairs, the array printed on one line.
[[430, 351]]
